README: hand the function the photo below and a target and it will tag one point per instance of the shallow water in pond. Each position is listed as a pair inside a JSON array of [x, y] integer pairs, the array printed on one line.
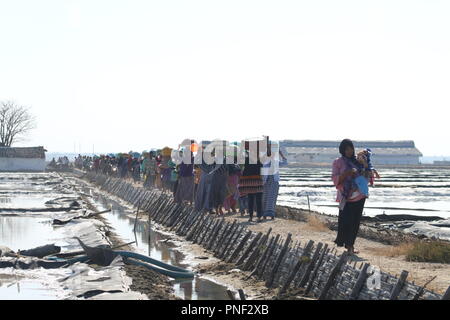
[[27, 190], [25, 289], [24, 201], [424, 192], [149, 242], [20, 233]]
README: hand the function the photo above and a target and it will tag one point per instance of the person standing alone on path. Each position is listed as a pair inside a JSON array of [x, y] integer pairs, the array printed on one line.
[[351, 200]]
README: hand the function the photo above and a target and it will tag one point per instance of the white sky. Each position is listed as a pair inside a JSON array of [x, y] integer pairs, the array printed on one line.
[[125, 75]]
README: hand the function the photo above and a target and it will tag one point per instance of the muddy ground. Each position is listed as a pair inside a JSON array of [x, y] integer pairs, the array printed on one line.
[[214, 269], [156, 286]]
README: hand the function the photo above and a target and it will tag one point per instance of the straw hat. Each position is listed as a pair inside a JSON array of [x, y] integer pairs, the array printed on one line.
[[166, 152]]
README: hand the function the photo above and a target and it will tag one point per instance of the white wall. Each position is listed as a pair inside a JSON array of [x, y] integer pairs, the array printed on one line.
[[22, 164]]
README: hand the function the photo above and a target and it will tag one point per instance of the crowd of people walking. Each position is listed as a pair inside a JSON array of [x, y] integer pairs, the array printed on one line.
[[218, 188], [246, 187]]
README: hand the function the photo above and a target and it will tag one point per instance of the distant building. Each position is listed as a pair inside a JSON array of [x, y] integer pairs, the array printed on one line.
[[383, 152], [22, 159], [442, 162]]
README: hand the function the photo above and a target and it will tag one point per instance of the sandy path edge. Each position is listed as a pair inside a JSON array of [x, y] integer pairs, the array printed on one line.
[[419, 272]]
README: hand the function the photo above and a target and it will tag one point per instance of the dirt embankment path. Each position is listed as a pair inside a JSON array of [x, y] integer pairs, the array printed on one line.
[[372, 252]]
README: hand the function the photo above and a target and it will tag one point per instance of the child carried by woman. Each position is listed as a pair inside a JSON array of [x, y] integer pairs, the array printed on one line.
[[366, 173]]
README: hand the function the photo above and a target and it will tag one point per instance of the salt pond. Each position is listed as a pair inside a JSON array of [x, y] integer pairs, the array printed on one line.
[[400, 191], [22, 229]]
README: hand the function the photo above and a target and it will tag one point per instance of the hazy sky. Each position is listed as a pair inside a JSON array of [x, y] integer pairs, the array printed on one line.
[[124, 75]]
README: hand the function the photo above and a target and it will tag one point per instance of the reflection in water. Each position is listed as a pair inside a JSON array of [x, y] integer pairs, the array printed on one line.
[[18, 232], [25, 232], [20, 200], [27, 190], [18, 190], [187, 289], [153, 244], [25, 290]]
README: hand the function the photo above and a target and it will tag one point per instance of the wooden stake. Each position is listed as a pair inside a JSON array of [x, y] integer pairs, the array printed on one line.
[[399, 285], [280, 257], [241, 294], [333, 274], [359, 282]]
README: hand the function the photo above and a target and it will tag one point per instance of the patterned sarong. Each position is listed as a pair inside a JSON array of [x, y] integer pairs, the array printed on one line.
[[270, 196], [250, 184]]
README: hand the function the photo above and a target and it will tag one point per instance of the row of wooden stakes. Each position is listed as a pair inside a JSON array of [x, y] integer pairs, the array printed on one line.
[[279, 262]]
